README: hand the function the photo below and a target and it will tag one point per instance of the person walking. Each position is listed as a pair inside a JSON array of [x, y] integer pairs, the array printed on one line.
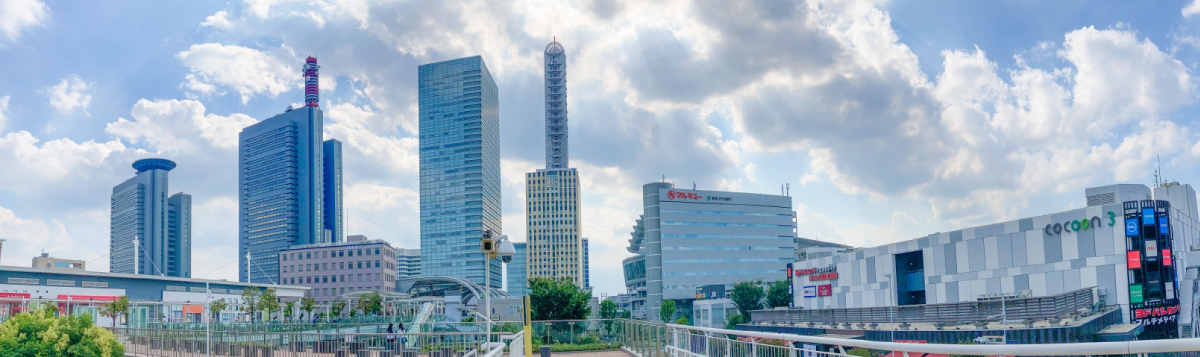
[[391, 337]]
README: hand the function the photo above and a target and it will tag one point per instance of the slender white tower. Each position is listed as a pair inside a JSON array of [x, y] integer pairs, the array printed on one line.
[[556, 107]]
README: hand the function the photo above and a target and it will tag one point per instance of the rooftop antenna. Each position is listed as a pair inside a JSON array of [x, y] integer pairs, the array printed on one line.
[[664, 178], [787, 189], [1158, 171], [693, 185]]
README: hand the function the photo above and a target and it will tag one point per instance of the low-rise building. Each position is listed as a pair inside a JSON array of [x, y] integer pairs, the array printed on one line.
[[45, 261], [333, 269]]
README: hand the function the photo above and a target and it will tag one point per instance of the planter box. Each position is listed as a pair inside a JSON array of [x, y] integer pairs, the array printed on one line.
[[324, 346], [386, 353], [265, 351], [221, 348], [169, 345], [341, 353], [236, 350], [156, 344], [363, 353], [298, 346], [187, 346], [409, 352]]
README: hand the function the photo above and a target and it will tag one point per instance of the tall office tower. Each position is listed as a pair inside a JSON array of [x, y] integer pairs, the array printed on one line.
[[141, 210], [332, 154], [556, 107], [587, 266], [281, 185], [518, 281], [179, 235], [460, 168], [552, 195]]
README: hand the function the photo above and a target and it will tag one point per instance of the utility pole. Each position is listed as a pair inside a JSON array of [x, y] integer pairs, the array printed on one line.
[[135, 255]]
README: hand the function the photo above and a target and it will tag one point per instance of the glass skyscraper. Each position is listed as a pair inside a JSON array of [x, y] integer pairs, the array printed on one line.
[[290, 185], [518, 281], [332, 150], [460, 168], [142, 210]]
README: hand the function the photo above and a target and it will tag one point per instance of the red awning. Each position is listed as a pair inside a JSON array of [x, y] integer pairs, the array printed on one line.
[[88, 297]]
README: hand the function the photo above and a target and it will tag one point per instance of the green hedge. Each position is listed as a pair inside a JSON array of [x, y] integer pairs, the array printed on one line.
[[583, 347]]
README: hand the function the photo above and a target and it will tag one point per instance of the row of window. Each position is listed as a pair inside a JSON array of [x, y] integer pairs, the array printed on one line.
[[325, 279], [336, 266], [730, 213], [726, 224], [729, 260], [728, 248], [727, 272]]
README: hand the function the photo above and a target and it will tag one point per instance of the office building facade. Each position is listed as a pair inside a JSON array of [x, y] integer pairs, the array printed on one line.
[[282, 191], [587, 266], [692, 238], [408, 263], [518, 279], [141, 209], [179, 235], [552, 194], [333, 269], [459, 168], [1125, 249], [332, 186]]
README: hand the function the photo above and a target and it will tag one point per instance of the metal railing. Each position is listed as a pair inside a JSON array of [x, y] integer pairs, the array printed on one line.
[[647, 339], [1073, 303], [179, 343]]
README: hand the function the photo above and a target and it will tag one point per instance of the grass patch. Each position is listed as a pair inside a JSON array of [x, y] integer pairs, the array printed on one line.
[[565, 347]]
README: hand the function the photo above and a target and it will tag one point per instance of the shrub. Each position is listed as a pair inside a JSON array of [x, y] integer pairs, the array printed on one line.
[[42, 334]]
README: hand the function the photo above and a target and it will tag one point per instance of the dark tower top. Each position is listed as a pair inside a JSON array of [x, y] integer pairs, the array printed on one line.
[[153, 164]]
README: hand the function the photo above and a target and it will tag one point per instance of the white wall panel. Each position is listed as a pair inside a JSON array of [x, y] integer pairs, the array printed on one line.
[[1037, 283], [1034, 247], [1070, 246], [962, 257], [992, 252]]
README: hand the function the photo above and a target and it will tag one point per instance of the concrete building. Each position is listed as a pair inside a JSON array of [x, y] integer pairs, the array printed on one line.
[[518, 278], [332, 186], [408, 263], [459, 168], [1123, 250], [141, 209], [552, 194], [333, 269], [282, 185], [691, 238], [552, 225], [45, 261]]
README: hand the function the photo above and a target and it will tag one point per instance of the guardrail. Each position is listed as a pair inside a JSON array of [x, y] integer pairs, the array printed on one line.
[[646, 339], [1073, 303], [176, 343]]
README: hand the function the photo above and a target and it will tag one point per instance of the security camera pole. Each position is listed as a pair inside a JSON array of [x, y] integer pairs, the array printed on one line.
[[499, 247]]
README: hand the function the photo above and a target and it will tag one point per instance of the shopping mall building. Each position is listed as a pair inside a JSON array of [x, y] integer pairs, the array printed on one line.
[[1116, 269]]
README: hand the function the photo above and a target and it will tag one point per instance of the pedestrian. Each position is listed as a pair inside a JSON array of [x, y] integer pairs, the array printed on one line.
[[391, 336]]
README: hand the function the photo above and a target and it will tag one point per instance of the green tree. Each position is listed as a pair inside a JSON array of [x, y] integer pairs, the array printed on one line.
[[115, 309], [251, 297], [41, 334], [748, 296], [558, 299], [370, 303], [215, 307], [733, 321], [338, 307], [308, 304], [666, 310], [683, 320], [268, 302], [608, 312], [287, 309], [777, 294]]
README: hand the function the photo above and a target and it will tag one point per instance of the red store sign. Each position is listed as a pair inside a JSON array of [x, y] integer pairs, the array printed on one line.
[[825, 290], [826, 276]]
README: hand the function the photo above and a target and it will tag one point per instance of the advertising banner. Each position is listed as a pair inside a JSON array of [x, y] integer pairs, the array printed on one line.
[[810, 291]]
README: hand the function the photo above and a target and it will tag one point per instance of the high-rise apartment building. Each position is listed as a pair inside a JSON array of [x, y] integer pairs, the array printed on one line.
[[552, 195], [408, 263], [161, 224], [332, 152], [459, 169], [282, 189], [518, 281], [333, 269]]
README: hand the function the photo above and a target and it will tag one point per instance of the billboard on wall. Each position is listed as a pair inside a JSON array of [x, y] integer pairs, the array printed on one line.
[[810, 291], [1153, 287]]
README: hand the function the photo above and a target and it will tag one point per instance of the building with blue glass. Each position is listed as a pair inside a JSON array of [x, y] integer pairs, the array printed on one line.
[[142, 210], [290, 185], [332, 151], [518, 281], [459, 169]]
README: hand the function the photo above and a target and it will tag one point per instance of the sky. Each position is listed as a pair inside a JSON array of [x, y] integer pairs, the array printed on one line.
[[889, 120]]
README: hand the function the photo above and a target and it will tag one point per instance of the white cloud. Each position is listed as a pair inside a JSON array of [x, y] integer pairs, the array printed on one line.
[[247, 71], [69, 94], [1192, 9], [26, 236], [218, 20], [3, 112], [222, 132], [175, 125], [17, 15]]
